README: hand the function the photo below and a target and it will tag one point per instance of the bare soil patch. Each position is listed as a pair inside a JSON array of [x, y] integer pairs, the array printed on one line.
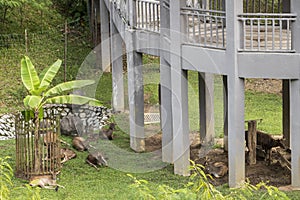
[[273, 174], [271, 86]]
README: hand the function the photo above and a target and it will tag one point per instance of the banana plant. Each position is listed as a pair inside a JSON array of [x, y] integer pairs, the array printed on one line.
[[40, 93]]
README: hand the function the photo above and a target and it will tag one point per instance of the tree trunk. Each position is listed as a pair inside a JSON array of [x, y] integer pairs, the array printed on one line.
[[37, 156]]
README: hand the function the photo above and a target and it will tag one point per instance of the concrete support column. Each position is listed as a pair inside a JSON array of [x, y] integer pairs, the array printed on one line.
[[295, 127], [236, 131], [117, 70], [286, 111], [166, 111], [105, 41], [225, 112], [135, 96], [165, 86], [181, 142], [206, 105], [235, 96]]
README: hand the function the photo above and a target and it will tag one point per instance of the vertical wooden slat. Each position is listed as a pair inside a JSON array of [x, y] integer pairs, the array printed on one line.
[[258, 34], [288, 34], [273, 34], [280, 34], [251, 34], [266, 33], [252, 142]]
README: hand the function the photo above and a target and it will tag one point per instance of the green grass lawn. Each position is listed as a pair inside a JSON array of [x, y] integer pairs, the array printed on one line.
[[81, 181]]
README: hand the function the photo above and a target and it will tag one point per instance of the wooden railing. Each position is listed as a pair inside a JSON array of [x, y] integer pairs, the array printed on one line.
[[266, 32], [204, 27], [147, 15]]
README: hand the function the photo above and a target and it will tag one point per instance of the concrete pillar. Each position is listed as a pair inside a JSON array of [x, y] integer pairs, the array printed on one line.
[[181, 142], [135, 95], [105, 41], [117, 70], [165, 87], [295, 127], [166, 111], [295, 102], [206, 106], [225, 112], [286, 111], [236, 130]]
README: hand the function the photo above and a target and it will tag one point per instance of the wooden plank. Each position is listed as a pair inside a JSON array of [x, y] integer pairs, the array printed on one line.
[[251, 138]]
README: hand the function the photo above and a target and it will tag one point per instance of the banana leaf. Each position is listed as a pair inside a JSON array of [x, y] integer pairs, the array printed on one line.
[[29, 75], [67, 86], [32, 101], [49, 75], [73, 99]]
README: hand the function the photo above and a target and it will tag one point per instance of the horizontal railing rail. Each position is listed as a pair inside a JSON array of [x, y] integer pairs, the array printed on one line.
[[147, 15], [266, 32], [204, 28]]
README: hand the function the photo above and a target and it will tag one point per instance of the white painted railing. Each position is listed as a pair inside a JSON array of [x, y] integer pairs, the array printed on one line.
[[147, 15], [266, 32], [204, 27]]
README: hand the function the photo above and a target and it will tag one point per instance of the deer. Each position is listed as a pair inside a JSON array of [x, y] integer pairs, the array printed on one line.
[[109, 132], [216, 169], [96, 159], [45, 181], [79, 143], [66, 154], [267, 142]]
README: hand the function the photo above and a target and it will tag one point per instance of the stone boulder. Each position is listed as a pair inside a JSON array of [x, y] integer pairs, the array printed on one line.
[[71, 125]]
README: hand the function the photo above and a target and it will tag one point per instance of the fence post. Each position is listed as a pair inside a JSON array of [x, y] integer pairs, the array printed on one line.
[[251, 138], [26, 41], [65, 50]]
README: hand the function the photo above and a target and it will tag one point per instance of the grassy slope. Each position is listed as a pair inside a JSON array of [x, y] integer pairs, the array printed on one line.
[[82, 181]]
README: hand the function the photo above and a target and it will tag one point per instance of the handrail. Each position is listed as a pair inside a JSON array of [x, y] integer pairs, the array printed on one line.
[[205, 28], [266, 32], [147, 15]]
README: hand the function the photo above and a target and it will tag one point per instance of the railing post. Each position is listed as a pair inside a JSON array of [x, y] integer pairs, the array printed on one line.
[[235, 104], [131, 5], [181, 142], [294, 102], [105, 41], [165, 84]]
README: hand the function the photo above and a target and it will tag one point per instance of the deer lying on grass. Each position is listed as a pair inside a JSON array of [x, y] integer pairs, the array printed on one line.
[[45, 181], [267, 142], [79, 144], [96, 159], [66, 154]]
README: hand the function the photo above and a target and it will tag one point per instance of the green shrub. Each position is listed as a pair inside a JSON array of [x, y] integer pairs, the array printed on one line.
[[199, 187], [6, 184]]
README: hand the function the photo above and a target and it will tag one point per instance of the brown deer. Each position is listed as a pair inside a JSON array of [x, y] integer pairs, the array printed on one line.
[[267, 142], [79, 144], [67, 154], [216, 169], [45, 181], [108, 134], [96, 159]]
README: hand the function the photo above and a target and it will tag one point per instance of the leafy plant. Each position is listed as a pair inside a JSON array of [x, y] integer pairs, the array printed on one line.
[[40, 94], [6, 174]]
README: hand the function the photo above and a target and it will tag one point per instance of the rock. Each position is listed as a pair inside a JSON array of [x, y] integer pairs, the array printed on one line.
[[71, 125]]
